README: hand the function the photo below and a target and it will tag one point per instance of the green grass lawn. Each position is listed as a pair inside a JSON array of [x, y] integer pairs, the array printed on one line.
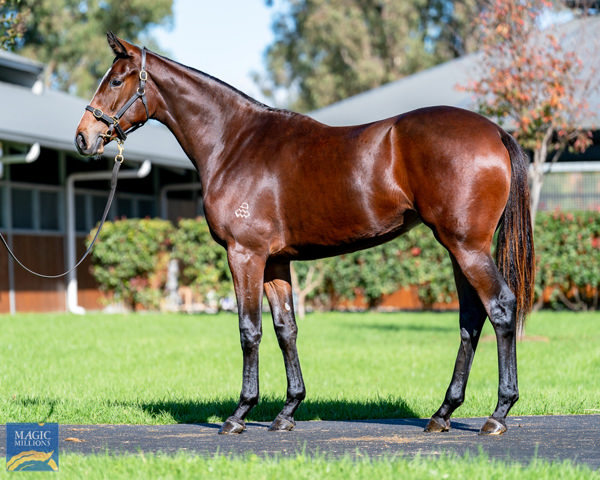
[[155, 369], [187, 466]]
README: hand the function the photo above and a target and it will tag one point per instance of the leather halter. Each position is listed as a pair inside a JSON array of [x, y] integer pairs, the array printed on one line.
[[113, 121]]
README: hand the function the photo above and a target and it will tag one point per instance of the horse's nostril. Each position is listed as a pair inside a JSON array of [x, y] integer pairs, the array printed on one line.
[[80, 142]]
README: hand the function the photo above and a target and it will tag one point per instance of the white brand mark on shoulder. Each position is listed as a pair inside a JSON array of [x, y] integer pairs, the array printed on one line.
[[242, 212]]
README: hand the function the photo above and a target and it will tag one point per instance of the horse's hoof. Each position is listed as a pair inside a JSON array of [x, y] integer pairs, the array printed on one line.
[[282, 424], [232, 425], [437, 425], [493, 427]]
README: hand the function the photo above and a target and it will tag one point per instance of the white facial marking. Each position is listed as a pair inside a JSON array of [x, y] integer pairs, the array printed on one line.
[[287, 306]]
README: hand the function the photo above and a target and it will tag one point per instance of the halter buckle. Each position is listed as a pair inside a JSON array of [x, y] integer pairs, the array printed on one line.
[[119, 158], [97, 113], [143, 75]]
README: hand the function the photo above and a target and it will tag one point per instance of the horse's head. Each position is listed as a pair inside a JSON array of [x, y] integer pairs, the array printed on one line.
[[119, 105]]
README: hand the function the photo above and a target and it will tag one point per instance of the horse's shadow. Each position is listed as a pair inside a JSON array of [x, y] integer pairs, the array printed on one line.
[[394, 411], [204, 411]]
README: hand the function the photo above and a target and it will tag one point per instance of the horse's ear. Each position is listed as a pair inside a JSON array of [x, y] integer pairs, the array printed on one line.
[[117, 47]]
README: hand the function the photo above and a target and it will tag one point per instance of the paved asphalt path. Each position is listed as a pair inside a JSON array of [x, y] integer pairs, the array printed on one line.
[[551, 438]]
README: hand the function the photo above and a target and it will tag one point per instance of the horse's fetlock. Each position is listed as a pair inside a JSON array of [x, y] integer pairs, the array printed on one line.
[[455, 397], [249, 400], [297, 394]]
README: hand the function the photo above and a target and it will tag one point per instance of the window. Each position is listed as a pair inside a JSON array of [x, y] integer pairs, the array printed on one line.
[[35, 209], [125, 208], [81, 213], [49, 205], [571, 191], [2, 202], [146, 209], [22, 208], [89, 207]]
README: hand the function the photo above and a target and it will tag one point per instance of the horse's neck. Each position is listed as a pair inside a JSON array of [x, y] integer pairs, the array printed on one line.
[[199, 110]]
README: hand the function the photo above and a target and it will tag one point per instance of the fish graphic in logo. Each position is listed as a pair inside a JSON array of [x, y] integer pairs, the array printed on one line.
[[31, 447]]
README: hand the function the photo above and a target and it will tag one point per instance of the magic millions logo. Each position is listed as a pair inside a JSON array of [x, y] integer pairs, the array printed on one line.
[[31, 447]]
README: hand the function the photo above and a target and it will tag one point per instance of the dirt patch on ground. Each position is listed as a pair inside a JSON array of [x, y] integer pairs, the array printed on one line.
[[389, 439]]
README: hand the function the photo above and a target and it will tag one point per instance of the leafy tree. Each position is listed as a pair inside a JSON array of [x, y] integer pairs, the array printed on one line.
[[12, 23], [69, 35], [327, 50], [533, 83]]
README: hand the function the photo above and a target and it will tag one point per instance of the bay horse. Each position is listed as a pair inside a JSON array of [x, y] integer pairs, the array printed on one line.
[[279, 186]]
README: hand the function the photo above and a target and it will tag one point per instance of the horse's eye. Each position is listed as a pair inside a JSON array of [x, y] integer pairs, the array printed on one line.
[[115, 83]]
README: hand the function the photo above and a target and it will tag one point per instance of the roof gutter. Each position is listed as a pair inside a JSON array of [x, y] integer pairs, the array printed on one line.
[[31, 156]]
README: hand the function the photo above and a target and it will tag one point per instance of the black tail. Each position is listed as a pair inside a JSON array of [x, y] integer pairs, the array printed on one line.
[[515, 254]]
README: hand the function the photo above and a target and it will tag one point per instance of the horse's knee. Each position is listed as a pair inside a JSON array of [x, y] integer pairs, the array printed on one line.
[[250, 338]]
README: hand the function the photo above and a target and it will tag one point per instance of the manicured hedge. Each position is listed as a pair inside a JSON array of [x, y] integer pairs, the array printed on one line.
[[131, 257], [568, 260]]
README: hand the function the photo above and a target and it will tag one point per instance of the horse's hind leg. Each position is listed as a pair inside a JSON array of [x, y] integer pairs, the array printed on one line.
[[499, 302], [279, 293], [472, 318]]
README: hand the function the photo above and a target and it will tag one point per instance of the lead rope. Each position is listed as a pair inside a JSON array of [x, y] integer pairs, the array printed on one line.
[[113, 187]]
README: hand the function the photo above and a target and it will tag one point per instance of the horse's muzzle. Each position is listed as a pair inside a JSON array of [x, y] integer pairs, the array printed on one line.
[[87, 149]]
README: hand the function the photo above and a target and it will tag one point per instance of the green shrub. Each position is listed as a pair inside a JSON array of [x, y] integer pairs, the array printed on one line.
[[568, 259], [568, 266], [130, 262], [414, 259], [203, 263], [129, 258]]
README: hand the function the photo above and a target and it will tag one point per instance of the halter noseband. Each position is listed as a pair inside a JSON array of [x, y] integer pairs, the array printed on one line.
[[113, 121]]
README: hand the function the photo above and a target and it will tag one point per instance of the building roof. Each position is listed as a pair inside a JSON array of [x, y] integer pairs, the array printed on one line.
[[438, 85], [19, 70], [434, 86]]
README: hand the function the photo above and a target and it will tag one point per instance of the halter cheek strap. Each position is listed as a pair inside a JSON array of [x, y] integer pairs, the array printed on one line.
[[113, 121]]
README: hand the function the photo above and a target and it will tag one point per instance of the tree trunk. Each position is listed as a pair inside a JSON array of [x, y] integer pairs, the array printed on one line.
[[536, 173], [536, 178], [310, 283]]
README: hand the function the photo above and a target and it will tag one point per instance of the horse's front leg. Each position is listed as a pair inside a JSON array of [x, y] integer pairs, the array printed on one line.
[[247, 269], [278, 288]]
